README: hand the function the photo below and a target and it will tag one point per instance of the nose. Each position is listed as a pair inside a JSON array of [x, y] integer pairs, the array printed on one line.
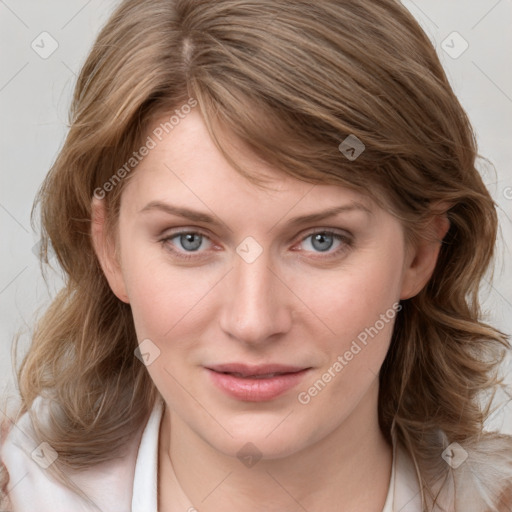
[[258, 305]]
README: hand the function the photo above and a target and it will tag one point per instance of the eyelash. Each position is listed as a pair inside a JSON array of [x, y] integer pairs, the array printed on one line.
[[346, 243]]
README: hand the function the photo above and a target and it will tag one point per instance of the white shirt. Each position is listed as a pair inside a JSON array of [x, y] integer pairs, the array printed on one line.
[[130, 483]]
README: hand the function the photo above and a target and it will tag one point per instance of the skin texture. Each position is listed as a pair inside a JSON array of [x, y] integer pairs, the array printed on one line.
[[294, 304]]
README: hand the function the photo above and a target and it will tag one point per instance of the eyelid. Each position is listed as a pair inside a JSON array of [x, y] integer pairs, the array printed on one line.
[[334, 231]]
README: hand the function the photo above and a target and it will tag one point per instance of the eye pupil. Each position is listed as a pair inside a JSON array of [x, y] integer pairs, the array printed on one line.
[[322, 238], [191, 241]]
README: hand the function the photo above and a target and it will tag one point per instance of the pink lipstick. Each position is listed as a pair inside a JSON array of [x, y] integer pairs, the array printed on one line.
[[256, 383]]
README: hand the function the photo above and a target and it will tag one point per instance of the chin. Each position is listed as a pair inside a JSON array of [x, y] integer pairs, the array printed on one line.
[[269, 439]]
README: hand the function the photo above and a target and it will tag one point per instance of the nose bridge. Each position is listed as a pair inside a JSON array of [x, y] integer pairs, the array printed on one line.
[[257, 305]]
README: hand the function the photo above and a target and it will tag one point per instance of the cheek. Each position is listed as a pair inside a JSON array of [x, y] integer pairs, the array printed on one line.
[[168, 308], [163, 299], [360, 319], [171, 304], [353, 298]]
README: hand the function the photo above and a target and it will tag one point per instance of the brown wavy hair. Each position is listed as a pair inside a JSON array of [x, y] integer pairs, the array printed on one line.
[[291, 80]]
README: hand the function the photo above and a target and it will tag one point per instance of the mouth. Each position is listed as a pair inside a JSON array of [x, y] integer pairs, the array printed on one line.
[[263, 376], [255, 383]]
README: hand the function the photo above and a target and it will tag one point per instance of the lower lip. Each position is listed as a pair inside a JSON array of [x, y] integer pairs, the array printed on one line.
[[256, 390]]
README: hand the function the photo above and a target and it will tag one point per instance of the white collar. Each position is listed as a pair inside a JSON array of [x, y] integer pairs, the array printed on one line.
[[145, 482], [404, 489]]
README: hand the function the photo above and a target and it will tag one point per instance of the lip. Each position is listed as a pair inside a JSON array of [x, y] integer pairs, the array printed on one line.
[[255, 383]]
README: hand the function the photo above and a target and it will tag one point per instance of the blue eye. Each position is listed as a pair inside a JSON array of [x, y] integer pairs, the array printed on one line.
[[190, 241], [187, 242], [324, 241], [321, 241]]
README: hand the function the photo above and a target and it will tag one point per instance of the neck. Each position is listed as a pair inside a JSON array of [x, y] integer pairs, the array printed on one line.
[[347, 470]]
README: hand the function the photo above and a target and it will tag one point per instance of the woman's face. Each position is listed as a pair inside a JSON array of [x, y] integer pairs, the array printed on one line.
[[256, 323]]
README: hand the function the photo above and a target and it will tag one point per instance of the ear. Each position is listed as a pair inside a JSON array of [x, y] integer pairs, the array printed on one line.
[[105, 250], [422, 258]]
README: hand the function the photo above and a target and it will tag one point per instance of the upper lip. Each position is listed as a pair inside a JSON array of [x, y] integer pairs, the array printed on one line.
[[250, 370]]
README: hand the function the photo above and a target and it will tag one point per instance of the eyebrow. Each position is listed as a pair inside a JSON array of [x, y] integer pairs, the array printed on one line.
[[206, 218]]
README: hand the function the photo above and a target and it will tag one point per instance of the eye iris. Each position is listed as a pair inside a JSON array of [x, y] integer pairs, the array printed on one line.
[[325, 241], [191, 241]]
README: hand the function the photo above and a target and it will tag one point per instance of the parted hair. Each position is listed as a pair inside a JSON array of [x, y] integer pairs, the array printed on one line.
[[291, 79]]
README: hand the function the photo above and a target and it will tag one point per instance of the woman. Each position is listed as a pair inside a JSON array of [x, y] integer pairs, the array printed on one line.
[[273, 233]]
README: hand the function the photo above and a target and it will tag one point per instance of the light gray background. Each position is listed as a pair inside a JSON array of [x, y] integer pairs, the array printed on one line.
[[35, 95]]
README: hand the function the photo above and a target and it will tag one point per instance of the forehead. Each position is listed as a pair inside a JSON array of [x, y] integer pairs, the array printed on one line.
[[185, 164]]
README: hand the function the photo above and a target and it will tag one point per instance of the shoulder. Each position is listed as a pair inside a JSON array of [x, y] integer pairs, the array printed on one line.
[[28, 462], [485, 476], [474, 475]]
